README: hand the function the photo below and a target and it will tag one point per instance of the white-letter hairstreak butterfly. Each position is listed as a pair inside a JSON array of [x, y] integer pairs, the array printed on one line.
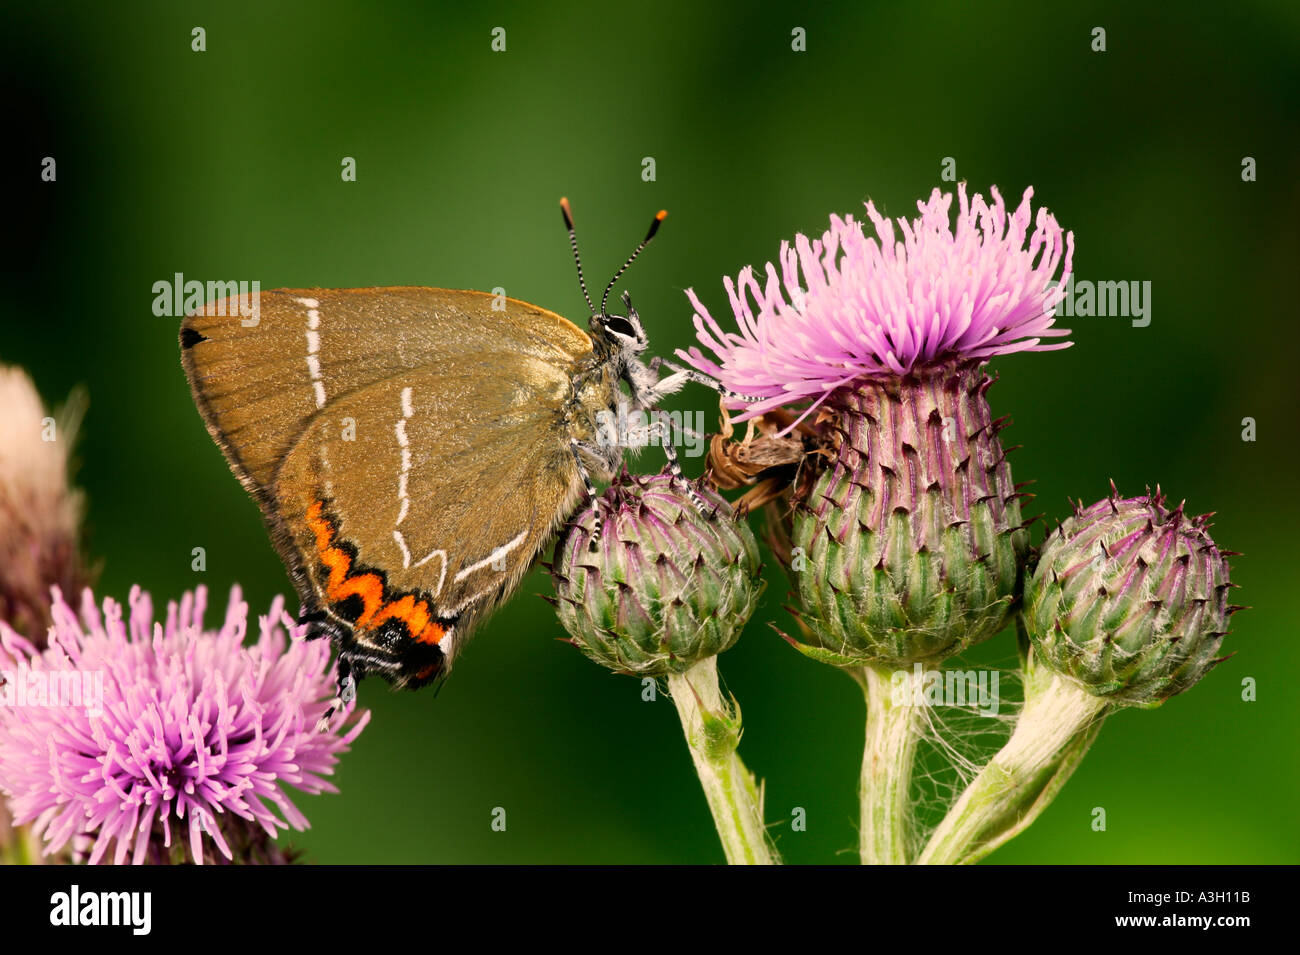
[[413, 450]]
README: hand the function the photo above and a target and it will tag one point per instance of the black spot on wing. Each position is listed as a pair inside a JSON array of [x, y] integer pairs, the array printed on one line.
[[393, 635], [350, 608]]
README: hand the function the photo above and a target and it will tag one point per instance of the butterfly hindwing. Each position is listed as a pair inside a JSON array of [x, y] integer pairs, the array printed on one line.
[[421, 509]]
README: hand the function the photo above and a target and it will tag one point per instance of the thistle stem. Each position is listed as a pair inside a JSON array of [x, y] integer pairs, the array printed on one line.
[[712, 729], [17, 844], [1057, 725], [894, 724]]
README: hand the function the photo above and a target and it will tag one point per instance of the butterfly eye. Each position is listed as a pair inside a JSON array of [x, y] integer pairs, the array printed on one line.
[[620, 326]]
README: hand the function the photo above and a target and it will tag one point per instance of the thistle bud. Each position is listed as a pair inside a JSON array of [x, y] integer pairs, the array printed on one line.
[[40, 514], [660, 586], [1129, 600], [913, 536]]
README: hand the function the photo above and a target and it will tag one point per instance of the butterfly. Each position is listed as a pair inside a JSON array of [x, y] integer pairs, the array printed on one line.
[[414, 450]]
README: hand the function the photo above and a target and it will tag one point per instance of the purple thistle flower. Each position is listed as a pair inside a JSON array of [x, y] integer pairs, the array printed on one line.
[[847, 307], [193, 729]]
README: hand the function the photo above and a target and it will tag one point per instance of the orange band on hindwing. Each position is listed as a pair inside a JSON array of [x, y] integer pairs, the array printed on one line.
[[415, 614], [369, 586]]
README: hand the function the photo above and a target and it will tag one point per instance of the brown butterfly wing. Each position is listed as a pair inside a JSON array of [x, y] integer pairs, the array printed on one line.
[[306, 406], [422, 506]]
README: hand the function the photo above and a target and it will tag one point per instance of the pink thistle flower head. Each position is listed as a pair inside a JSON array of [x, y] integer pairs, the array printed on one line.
[[847, 307], [173, 726]]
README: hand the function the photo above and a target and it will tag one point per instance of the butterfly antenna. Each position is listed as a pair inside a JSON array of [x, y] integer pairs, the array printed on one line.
[[654, 227], [573, 244]]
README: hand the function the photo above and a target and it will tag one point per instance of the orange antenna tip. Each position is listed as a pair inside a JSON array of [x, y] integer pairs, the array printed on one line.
[[654, 227]]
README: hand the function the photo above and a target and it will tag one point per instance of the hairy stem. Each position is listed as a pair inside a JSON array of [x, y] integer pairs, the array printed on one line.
[[1056, 727], [895, 719], [712, 728]]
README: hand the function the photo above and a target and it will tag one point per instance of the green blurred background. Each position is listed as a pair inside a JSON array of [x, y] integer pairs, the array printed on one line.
[[225, 165]]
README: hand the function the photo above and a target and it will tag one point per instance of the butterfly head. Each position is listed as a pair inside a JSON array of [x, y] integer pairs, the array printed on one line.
[[624, 334]]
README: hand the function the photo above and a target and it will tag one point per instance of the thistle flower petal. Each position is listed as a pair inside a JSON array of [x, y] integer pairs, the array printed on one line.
[[178, 736], [845, 307]]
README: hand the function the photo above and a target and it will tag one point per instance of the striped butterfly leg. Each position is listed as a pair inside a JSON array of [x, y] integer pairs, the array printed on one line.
[[578, 449], [320, 624], [354, 662], [636, 438], [349, 667], [345, 694], [680, 375], [643, 435]]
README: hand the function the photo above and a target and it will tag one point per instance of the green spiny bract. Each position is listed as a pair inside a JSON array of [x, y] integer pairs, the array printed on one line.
[[664, 587], [1129, 599], [912, 544]]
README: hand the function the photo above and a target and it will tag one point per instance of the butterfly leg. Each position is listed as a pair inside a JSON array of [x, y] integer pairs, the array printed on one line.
[[642, 436], [579, 448], [673, 383], [345, 694], [648, 389]]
